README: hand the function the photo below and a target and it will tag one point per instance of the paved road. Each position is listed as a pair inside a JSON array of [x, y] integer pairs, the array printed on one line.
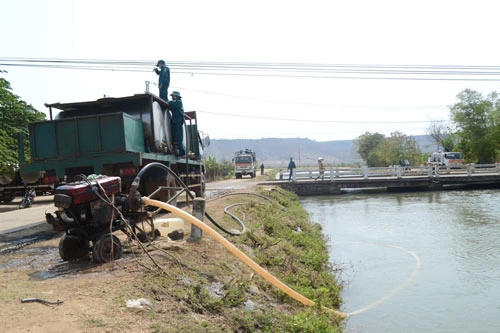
[[15, 222]]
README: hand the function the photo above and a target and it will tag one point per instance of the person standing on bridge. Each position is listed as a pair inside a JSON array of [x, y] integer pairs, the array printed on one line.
[[177, 109], [262, 169], [321, 168], [164, 79], [291, 166]]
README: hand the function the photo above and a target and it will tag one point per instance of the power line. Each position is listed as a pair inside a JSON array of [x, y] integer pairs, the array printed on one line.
[[288, 70], [282, 69], [323, 121], [323, 105], [149, 63]]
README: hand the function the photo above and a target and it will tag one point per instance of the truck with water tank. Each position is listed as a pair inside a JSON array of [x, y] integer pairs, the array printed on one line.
[[101, 157], [110, 136]]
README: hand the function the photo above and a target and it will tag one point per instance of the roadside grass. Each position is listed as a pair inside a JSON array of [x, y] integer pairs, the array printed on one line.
[[201, 287], [282, 239]]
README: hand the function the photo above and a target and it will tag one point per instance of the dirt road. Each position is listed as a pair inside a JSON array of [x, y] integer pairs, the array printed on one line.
[[233, 184]]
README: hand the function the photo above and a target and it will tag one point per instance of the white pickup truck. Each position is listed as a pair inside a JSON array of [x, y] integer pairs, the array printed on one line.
[[446, 159]]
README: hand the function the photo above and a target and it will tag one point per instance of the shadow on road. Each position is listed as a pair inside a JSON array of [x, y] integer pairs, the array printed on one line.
[[14, 204]]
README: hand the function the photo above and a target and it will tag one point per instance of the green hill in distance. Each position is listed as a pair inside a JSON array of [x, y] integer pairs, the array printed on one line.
[[276, 152]]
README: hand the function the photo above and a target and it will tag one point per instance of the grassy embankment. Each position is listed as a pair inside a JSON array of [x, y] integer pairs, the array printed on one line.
[[201, 287], [226, 296]]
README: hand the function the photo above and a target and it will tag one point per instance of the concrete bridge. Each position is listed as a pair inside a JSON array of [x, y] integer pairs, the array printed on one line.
[[392, 179]]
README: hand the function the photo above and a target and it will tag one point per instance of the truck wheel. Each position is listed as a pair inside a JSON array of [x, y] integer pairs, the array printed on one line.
[[7, 197], [238, 176]]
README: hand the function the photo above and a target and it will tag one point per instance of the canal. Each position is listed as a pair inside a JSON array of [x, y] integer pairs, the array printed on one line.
[[415, 262]]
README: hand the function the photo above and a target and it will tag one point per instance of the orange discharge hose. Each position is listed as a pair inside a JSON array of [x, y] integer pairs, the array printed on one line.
[[240, 255]]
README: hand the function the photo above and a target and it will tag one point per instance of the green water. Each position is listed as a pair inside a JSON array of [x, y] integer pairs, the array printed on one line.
[[378, 240]]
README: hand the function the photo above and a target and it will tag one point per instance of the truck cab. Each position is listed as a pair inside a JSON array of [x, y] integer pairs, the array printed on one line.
[[245, 163]]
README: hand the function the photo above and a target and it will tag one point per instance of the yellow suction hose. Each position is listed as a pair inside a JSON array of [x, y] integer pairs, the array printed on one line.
[[240, 255]]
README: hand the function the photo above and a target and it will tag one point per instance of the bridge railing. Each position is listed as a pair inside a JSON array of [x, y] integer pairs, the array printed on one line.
[[431, 170]]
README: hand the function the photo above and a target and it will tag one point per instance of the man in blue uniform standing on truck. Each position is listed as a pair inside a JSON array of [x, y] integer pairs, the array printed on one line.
[[164, 79], [175, 106]]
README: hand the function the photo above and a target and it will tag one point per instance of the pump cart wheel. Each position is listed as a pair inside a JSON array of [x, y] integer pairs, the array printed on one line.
[[107, 248], [73, 247]]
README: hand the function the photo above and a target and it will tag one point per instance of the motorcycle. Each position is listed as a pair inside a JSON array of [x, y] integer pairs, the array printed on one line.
[[28, 198]]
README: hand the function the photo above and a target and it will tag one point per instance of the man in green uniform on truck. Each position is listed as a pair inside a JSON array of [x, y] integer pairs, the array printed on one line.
[[164, 79], [175, 106]]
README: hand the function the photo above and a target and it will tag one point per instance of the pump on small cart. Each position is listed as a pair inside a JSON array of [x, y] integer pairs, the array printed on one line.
[[90, 211]]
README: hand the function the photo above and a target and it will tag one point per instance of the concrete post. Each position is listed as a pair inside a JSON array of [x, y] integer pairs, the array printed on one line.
[[430, 170], [332, 177], [199, 213], [294, 175], [470, 169], [399, 172], [365, 172]]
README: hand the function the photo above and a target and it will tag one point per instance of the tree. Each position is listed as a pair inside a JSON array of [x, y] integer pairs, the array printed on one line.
[[396, 148], [437, 131], [478, 125], [215, 171], [15, 114], [367, 143]]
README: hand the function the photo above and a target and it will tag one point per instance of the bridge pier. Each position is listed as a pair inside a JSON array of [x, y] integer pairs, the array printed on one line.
[[311, 188]]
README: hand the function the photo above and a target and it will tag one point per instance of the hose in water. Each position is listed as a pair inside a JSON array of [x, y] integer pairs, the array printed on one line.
[[398, 288], [240, 255]]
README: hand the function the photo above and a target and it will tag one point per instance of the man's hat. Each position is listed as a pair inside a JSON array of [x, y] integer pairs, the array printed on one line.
[[175, 93], [320, 158], [160, 62]]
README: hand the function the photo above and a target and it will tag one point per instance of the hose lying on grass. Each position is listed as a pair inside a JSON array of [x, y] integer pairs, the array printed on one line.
[[240, 255]]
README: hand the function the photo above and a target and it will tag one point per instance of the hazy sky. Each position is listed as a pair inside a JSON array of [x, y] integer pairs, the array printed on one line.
[[327, 32]]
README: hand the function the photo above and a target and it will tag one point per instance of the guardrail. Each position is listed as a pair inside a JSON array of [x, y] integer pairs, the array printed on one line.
[[432, 170]]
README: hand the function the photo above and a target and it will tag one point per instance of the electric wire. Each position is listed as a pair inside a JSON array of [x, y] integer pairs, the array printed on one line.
[[144, 66], [252, 65], [322, 121], [318, 70], [260, 99]]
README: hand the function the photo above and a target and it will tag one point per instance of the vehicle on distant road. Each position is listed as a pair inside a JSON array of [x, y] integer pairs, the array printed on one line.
[[446, 159], [245, 163]]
